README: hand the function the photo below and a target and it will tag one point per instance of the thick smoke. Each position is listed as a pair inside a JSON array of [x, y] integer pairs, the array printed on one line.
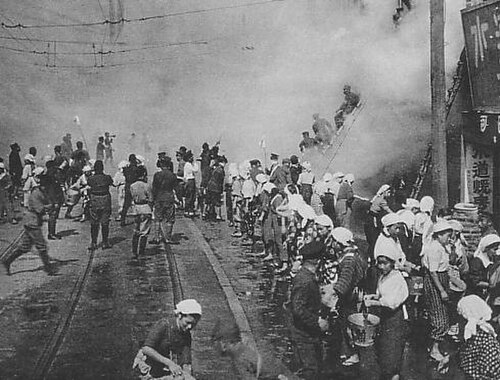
[[264, 71]]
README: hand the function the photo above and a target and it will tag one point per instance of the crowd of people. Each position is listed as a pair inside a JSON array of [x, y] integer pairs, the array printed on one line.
[[307, 238]]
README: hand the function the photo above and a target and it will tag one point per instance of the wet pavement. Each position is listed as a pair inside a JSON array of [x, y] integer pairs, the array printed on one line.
[[45, 332]]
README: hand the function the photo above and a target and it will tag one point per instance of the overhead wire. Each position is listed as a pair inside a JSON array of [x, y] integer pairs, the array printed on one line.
[[134, 20], [107, 52]]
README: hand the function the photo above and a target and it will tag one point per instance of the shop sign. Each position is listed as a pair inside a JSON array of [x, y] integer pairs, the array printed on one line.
[[481, 25], [479, 167]]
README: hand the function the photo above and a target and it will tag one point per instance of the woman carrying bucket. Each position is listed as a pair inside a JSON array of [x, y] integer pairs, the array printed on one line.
[[392, 292]]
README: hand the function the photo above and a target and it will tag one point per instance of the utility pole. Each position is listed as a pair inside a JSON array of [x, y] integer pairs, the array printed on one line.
[[438, 105]]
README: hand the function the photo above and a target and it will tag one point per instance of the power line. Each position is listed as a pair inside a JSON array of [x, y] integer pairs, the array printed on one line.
[[75, 42], [107, 52], [133, 20]]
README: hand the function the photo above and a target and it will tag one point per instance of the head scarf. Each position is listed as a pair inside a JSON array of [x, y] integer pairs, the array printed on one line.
[[381, 191], [427, 204], [477, 313], [484, 243]]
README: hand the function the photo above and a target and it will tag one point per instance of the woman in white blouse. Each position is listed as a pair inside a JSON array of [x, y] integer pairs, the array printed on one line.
[[392, 292]]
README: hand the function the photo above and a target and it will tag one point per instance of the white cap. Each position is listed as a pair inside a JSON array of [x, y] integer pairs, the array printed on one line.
[[441, 225], [489, 240], [87, 168], [427, 204], [2, 165], [189, 306], [261, 178], [29, 157], [338, 175], [140, 160], [268, 186], [327, 177], [390, 219], [456, 225], [323, 220], [411, 203], [349, 177], [342, 235]]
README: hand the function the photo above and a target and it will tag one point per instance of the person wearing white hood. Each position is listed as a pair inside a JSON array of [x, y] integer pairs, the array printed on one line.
[[388, 240], [423, 224], [408, 214], [479, 266], [480, 350], [306, 182]]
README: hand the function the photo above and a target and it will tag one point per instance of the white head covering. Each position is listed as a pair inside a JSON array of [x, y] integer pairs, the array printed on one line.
[[323, 220], [411, 203], [29, 157], [307, 166], [261, 178], [327, 177], [427, 204], [343, 235], [268, 186], [87, 168], [338, 175], [456, 225], [390, 219], [306, 212], [140, 160], [189, 306], [477, 312], [441, 225], [380, 191], [349, 177], [484, 243], [2, 165]]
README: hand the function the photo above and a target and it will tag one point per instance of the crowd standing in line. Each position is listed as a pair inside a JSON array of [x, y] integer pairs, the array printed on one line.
[[305, 230]]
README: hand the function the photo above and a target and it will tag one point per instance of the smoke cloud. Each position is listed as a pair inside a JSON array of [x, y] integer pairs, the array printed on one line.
[[263, 72]]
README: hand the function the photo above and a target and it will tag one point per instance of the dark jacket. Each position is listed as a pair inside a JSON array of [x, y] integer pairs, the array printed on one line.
[[306, 302]]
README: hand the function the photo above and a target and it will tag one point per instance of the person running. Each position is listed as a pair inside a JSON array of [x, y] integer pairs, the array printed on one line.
[[100, 205], [38, 205]]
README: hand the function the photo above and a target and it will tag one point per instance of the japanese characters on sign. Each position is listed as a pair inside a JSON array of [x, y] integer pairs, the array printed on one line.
[[479, 161], [481, 26]]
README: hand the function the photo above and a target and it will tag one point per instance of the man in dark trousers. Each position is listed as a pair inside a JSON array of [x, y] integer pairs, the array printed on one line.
[[38, 204], [100, 205], [55, 195], [307, 324], [15, 168], [130, 174], [164, 198]]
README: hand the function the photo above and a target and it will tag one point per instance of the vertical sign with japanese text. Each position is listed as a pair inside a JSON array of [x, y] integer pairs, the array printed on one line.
[[481, 26], [479, 161]]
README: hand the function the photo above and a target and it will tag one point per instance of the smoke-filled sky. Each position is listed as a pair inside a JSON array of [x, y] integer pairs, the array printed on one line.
[[264, 70]]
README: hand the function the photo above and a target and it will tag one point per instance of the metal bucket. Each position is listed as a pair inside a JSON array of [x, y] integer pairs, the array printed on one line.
[[363, 330]]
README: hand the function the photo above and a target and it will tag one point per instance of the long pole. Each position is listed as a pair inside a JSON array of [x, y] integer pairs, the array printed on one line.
[[438, 104]]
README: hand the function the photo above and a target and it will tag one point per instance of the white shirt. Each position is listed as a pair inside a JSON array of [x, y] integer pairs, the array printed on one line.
[[189, 170], [392, 289]]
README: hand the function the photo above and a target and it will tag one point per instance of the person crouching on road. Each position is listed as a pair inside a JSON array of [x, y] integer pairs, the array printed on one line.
[[38, 205], [166, 353], [100, 205], [142, 199]]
